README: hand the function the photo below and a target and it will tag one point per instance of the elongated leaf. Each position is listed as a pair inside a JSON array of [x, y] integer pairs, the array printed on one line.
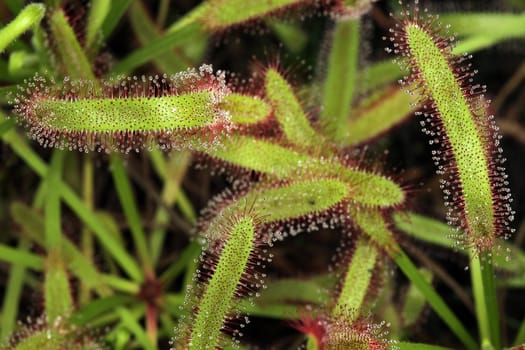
[[29, 16]]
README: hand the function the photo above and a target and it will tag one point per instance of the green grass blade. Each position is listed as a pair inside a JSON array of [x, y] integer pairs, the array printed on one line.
[[432, 231], [116, 250], [418, 346], [85, 314], [520, 336], [130, 323], [147, 32], [31, 223], [433, 298], [176, 268], [15, 6], [7, 125], [128, 203], [414, 302], [379, 74], [21, 257], [155, 48], [117, 10], [52, 206], [13, 293]]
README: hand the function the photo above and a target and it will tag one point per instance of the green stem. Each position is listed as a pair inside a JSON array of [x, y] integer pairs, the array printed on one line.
[[484, 290]]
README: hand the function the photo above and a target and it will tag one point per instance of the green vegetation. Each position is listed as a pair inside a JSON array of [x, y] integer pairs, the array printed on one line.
[[306, 214]]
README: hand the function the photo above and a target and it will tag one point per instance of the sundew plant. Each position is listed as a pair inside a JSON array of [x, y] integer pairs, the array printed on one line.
[[249, 174]]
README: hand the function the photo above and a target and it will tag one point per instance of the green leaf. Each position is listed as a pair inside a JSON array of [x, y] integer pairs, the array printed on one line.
[[30, 16], [98, 11], [482, 30], [270, 158], [433, 298], [341, 77], [288, 111], [388, 108], [356, 281], [221, 14], [70, 53], [57, 292], [507, 257]]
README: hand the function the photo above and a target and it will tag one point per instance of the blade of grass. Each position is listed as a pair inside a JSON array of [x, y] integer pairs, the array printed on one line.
[[21, 257], [433, 298], [31, 223], [190, 252], [7, 125], [120, 284], [175, 169], [86, 242], [482, 30], [520, 336], [128, 203], [130, 322], [146, 32], [155, 48], [436, 232], [14, 5], [117, 10], [52, 206], [418, 346], [13, 293], [103, 306], [117, 251]]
